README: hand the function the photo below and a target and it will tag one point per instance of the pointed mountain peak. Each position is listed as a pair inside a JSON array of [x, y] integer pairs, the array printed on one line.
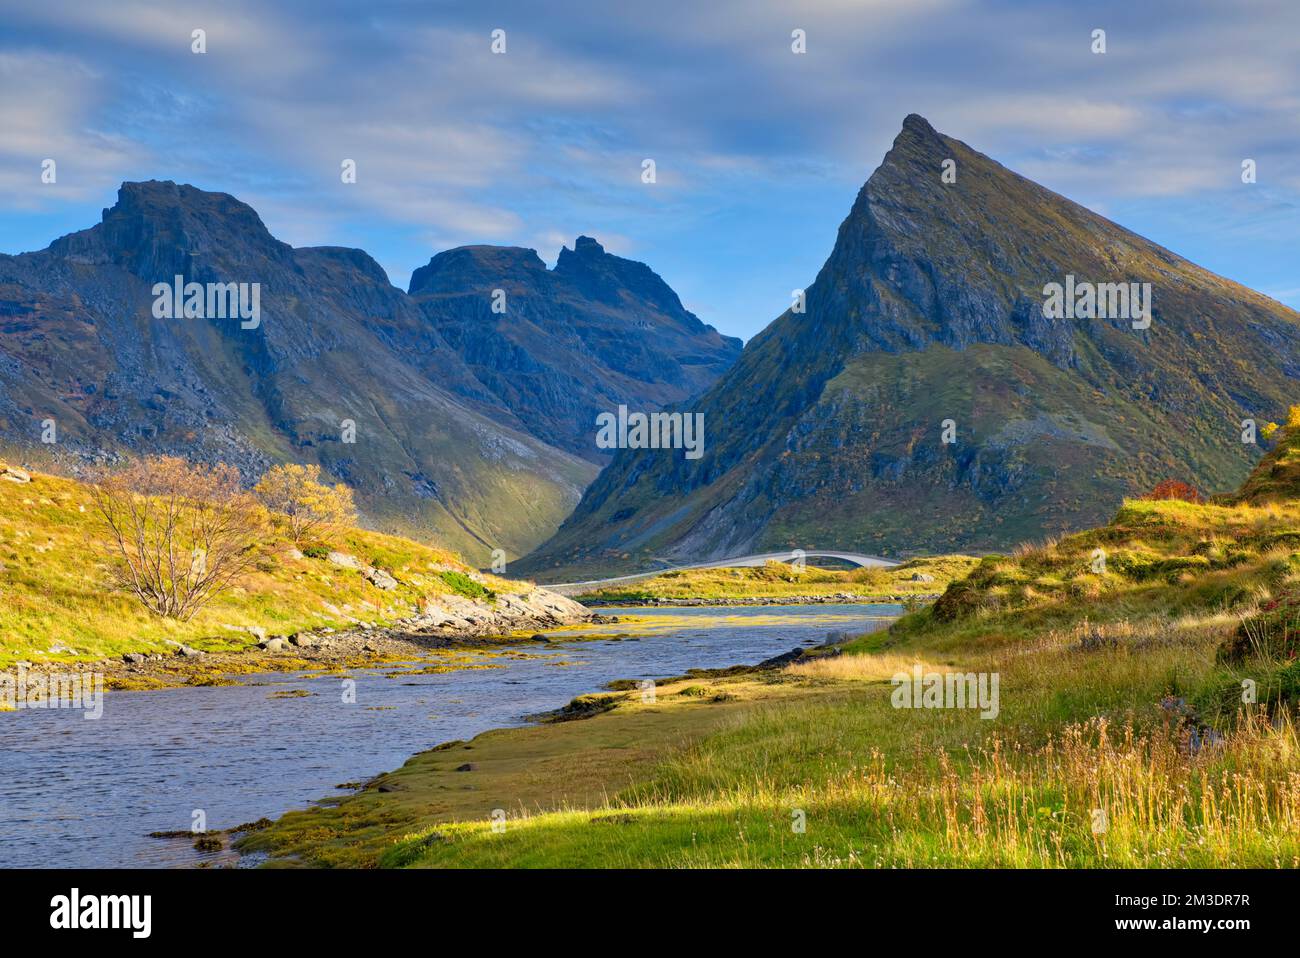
[[585, 244], [918, 125], [586, 254]]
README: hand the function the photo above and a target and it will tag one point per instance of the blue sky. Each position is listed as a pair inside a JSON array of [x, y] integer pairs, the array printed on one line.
[[759, 151]]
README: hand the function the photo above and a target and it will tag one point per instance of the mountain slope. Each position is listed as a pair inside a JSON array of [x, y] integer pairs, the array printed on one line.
[[80, 344], [827, 431], [596, 332]]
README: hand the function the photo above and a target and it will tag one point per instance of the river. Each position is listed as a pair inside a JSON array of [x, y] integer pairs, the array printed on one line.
[[78, 793]]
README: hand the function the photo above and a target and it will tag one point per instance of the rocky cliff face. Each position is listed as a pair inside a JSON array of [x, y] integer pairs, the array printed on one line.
[[567, 344], [828, 431], [341, 369]]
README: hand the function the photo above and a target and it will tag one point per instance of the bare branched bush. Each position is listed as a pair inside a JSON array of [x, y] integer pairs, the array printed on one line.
[[180, 534]]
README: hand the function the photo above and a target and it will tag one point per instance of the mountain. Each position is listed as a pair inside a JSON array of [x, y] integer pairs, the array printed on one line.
[[569, 343], [827, 432], [437, 450]]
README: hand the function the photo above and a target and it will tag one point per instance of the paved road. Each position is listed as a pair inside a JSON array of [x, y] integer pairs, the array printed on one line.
[[570, 588]]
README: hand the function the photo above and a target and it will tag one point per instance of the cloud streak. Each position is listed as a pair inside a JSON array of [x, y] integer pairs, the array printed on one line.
[[759, 150]]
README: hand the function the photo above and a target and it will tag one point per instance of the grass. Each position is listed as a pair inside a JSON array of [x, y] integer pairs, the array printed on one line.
[[57, 603], [1125, 737], [781, 579]]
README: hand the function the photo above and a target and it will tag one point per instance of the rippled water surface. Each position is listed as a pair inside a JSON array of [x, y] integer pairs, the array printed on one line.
[[87, 793]]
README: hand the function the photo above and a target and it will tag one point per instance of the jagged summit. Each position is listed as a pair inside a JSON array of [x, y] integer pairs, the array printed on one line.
[[595, 332]]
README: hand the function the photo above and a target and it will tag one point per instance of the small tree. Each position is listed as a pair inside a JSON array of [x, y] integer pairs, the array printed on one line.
[[180, 534], [313, 509]]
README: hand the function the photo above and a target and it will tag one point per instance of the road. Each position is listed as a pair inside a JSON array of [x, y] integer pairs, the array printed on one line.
[[757, 559]]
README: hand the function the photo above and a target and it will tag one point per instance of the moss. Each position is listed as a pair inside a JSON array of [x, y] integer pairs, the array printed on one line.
[[462, 584]]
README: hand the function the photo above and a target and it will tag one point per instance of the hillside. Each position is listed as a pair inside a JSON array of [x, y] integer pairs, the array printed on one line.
[[828, 432], [57, 601]]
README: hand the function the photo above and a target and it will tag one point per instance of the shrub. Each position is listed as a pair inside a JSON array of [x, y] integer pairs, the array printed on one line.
[[180, 534], [462, 584], [1174, 489], [312, 508]]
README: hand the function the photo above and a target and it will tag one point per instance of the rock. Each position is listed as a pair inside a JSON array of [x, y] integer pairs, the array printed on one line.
[[379, 578], [467, 767], [922, 577], [13, 473], [785, 658], [540, 638], [345, 560], [303, 640], [187, 652], [272, 645], [134, 658], [368, 648]]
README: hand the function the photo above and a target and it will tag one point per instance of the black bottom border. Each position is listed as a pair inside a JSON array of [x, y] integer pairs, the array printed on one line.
[[369, 907]]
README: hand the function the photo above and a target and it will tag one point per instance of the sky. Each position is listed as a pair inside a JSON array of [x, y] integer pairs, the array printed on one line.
[[759, 151]]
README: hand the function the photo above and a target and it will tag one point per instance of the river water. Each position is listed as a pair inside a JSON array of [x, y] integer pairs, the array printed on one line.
[[78, 793]]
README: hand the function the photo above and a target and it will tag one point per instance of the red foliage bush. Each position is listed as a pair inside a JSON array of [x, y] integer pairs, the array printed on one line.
[[1174, 489]]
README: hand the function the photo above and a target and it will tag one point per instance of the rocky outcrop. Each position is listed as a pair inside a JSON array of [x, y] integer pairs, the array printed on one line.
[[927, 319], [14, 474], [567, 344]]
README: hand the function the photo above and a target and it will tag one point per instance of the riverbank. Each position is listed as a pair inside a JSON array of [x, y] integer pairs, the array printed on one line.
[[833, 598], [61, 611], [435, 639], [271, 743], [782, 583], [1143, 715]]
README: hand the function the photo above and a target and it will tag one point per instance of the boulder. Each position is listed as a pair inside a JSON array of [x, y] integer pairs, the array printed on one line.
[[13, 473], [379, 578], [276, 644]]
